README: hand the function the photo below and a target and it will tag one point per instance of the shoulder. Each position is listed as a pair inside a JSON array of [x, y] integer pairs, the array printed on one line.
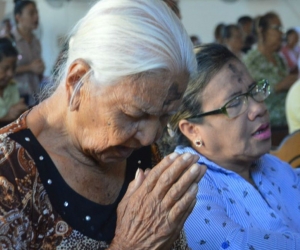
[[252, 58], [16, 34], [12, 87], [14, 158], [273, 165], [252, 54], [294, 90]]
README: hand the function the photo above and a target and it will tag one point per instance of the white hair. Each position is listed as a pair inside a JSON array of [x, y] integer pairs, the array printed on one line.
[[120, 38]]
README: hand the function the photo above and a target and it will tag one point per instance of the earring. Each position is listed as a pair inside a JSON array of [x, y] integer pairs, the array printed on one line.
[[199, 143]]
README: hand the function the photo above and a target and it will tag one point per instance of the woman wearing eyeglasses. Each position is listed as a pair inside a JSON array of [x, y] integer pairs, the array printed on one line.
[[264, 61], [247, 199]]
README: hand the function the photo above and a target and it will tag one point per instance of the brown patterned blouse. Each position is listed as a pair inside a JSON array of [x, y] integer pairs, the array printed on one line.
[[38, 210]]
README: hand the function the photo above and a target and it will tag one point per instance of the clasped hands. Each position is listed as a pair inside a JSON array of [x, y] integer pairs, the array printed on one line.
[[157, 203]]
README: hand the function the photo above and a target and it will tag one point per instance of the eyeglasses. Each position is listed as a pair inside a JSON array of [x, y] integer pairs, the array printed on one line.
[[277, 27], [239, 104]]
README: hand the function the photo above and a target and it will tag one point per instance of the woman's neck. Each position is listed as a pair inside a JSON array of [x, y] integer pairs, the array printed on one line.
[[241, 167], [80, 172], [267, 52], [25, 33]]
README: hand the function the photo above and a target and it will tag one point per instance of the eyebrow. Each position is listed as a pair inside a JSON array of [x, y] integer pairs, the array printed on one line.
[[240, 92], [173, 94]]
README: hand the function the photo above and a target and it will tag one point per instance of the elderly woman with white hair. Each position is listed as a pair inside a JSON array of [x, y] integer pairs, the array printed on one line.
[[76, 170]]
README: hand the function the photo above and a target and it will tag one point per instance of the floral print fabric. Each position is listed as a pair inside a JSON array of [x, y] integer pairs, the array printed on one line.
[[260, 68], [28, 219]]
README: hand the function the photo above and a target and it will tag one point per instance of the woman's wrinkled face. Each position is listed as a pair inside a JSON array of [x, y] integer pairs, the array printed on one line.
[[273, 35], [243, 138], [118, 119], [29, 17], [7, 70]]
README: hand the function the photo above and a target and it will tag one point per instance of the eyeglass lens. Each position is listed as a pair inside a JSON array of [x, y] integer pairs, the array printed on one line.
[[239, 104]]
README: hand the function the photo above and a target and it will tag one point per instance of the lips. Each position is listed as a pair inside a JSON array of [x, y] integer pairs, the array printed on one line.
[[263, 132]]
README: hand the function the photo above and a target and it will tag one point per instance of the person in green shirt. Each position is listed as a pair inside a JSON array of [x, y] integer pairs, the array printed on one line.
[[11, 105], [264, 61]]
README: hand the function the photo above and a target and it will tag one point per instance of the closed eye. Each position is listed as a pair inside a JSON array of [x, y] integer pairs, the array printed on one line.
[[234, 103]]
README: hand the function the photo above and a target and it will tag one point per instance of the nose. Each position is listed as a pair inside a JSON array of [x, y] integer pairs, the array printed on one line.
[[256, 109], [149, 131]]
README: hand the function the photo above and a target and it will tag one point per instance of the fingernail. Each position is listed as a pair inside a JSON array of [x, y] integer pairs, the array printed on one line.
[[187, 156], [194, 188], [173, 156], [137, 173], [195, 169]]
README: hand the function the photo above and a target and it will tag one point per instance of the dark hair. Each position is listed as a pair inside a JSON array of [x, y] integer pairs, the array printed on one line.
[[173, 4], [20, 5], [218, 31], [7, 49], [290, 31], [5, 20], [195, 40], [264, 22], [244, 20], [227, 30], [211, 58]]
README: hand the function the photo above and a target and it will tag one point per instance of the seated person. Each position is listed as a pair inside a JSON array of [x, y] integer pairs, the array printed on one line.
[[246, 24], [233, 39], [291, 50], [292, 107], [264, 61], [11, 106], [76, 170], [248, 199]]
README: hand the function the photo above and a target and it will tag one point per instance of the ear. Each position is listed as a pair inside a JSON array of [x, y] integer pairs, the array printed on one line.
[[78, 69], [190, 130]]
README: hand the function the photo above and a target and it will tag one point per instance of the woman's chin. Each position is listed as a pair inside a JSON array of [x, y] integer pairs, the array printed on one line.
[[118, 155]]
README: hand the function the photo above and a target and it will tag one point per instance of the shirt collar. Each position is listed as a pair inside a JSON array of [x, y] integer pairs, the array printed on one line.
[[210, 165]]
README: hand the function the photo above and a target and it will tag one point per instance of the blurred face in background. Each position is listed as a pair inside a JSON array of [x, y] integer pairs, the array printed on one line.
[[247, 28], [292, 39], [7, 70], [7, 26], [235, 42], [273, 35], [29, 18]]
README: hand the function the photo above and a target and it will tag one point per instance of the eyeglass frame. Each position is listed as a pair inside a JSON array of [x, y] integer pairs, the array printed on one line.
[[277, 27], [223, 109]]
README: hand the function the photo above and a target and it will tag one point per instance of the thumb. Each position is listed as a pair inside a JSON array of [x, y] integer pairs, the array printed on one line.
[[136, 183]]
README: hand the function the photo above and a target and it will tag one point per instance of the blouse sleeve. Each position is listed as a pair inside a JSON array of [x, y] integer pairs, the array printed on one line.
[[209, 227]]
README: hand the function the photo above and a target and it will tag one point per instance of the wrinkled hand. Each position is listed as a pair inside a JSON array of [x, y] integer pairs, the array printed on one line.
[[37, 67], [157, 203]]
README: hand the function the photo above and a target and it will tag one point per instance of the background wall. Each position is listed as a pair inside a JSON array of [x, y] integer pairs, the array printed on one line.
[[198, 16]]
